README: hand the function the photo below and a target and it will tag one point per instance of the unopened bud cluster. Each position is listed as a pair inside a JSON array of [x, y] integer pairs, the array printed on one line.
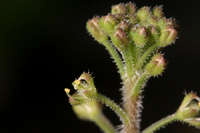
[[127, 27], [125, 24]]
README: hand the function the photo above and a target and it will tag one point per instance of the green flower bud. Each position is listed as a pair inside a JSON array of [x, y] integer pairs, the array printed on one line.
[[189, 110], [118, 9], [163, 23], [154, 33], [139, 36], [133, 20], [108, 23], [156, 66], [168, 36], [158, 11], [131, 8], [152, 20], [143, 13], [94, 29]]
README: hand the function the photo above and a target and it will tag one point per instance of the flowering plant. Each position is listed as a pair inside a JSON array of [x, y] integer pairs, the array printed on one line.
[[134, 38]]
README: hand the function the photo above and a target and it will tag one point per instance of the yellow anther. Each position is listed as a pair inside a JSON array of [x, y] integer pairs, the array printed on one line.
[[67, 90], [77, 82], [199, 104]]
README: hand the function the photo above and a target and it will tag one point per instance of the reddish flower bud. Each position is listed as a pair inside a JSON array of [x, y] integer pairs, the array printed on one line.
[[156, 66], [94, 29], [131, 8], [119, 39], [118, 9], [168, 36], [123, 25], [108, 23]]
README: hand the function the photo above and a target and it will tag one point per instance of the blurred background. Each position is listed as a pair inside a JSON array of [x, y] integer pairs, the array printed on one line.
[[44, 46]]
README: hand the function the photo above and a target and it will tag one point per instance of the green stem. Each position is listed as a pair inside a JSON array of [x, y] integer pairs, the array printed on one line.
[[104, 124], [115, 55], [128, 58], [159, 124], [139, 84], [117, 109], [145, 56]]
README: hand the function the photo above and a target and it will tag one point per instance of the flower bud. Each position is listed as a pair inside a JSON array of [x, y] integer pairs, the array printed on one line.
[[158, 11], [120, 39], [152, 20], [131, 8], [163, 23], [156, 65], [108, 23], [123, 25], [139, 36], [189, 110], [143, 13], [168, 36], [94, 29], [118, 9]]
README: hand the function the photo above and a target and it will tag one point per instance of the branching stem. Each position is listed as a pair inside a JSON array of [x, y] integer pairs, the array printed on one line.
[[145, 56], [139, 84], [115, 55], [117, 109], [104, 124], [159, 124]]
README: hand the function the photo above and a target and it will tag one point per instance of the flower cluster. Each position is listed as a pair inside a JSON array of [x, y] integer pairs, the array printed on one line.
[[134, 30]]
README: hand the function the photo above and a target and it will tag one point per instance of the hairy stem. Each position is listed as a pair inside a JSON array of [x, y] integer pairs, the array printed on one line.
[[130, 106], [117, 109], [128, 59], [132, 101], [159, 124], [115, 55], [145, 56], [104, 124], [140, 82]]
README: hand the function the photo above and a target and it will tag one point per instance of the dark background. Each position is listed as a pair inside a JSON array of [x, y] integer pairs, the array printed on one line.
[[44, 46]]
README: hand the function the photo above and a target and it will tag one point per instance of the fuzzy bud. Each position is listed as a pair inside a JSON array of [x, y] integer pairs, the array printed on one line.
[[189, 110], [158, 11], [119, 39], [168, 36], [123, 25], [94, 29], [156, 66], [131, 8], [143, 13], [118, 9], [139, 36], [108, 23]]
